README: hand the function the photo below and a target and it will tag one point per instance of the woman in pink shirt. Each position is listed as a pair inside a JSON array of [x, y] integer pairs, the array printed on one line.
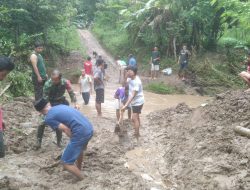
[[5, 67]]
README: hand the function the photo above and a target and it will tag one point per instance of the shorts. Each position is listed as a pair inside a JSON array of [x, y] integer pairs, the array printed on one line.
[[183, 65], [155, 67], [137, 109], [99, 96], [74, 149]]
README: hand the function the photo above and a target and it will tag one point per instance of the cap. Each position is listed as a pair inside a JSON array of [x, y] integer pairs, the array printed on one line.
[[40, 104]]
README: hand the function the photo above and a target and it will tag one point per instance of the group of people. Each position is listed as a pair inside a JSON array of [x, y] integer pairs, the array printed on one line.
[[51, 102], [154, 63]]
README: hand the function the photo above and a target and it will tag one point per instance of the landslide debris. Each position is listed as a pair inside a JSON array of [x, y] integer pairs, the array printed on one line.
[[201, 149], [21, 121]]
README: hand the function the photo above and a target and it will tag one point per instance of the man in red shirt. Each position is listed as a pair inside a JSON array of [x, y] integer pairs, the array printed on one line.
[[88, 66]]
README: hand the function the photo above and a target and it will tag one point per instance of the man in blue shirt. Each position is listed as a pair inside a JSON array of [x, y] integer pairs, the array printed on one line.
[[132, 61], [75, 126]]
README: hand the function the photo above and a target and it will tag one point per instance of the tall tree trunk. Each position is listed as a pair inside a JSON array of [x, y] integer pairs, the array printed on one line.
[[174, 45]]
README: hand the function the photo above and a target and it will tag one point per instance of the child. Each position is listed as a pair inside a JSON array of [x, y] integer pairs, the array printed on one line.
[[85, 82], [121, 95]]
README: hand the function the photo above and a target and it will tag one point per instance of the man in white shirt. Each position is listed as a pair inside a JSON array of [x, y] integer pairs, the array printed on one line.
[[85, 82], [136, 97]]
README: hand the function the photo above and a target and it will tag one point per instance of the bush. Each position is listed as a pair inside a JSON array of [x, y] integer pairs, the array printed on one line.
[[21, 83]]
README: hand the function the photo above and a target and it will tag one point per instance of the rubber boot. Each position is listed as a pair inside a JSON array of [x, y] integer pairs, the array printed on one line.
[[2, 148], [40, 132], [59, 138]]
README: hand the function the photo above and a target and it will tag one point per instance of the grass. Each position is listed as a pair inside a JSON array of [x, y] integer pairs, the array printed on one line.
[[161, 88], [68, 38], [114, 40]]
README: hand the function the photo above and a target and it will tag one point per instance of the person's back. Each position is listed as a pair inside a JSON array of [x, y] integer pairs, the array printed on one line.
[[99, 61], [132, 62], [121, 95], [98, 73], [79, 124], [88, 66]]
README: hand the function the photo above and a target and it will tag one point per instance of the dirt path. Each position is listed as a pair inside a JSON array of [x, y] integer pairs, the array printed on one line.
[[111, 161]]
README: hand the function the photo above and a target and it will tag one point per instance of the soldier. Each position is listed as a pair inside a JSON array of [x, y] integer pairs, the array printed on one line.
[[53, 91]]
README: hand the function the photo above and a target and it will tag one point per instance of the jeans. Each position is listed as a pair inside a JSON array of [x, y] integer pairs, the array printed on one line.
[[86, 96]]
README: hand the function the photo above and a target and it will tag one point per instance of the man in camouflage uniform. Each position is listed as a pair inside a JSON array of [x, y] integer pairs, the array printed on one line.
[[53, 91]]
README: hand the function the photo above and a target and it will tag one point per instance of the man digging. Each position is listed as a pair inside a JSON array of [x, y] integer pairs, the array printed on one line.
[[54, 91], [77, 127]]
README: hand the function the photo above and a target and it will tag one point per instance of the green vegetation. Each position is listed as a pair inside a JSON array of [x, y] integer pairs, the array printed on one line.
[[218, 26], [211, 29], [24, 22], [67, 38], [161, 88]]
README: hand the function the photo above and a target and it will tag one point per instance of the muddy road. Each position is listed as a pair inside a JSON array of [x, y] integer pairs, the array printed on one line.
[[111, 161]]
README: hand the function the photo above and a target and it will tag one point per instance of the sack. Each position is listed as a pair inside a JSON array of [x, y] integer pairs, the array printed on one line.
[[167, 71]]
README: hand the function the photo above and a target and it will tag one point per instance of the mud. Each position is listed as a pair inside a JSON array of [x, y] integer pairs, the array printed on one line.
[[184, 147], [201, 150], [21, 120]]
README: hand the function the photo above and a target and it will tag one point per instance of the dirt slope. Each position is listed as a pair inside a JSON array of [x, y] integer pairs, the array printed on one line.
[[201, 150]]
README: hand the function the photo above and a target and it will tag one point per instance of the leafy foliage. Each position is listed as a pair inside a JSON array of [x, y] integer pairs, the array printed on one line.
[[21, 84], [25, 21]]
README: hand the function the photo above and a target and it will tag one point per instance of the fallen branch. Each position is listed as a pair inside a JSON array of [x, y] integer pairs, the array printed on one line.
[[4, 90], [242, 131]]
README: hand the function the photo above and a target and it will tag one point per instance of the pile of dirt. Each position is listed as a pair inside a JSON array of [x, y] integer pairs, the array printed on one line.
[[21, 121], [201, 150]]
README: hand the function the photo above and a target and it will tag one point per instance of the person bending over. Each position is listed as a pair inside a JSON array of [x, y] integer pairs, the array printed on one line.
[[76, 126]]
